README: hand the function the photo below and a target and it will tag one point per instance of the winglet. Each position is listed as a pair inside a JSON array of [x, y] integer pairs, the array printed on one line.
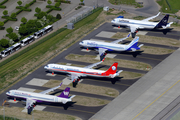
[[128, 35], [60, 84]]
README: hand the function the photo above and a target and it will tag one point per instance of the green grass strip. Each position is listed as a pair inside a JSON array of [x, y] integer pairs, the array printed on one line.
[[41, 47]]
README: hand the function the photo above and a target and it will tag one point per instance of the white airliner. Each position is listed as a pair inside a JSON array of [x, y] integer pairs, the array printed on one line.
[[142, 24], [112, 46], [31, 97], [77, 72]]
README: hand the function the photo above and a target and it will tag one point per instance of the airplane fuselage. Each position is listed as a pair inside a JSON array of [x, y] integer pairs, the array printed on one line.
[[139, 23], [104, 45], [76, 70], [35, 96]]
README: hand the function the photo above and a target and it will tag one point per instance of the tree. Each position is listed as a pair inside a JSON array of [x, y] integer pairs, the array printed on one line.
[[9, 30], [4, 43], [23, 30], [30, 24], [11, 42], [41, 15], [13, 15], [38, 10], [5, 12], [49, 17], [57, 4], [23, 20], [49, 2], [81, 0], [19, 3], [58, 16], [1, 24], [27, 5], [38, 24], [13, 36]]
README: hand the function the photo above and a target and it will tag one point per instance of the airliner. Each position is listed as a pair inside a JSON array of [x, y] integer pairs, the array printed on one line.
[[77, 72], [134, 25], [112, 46], [32, 98]]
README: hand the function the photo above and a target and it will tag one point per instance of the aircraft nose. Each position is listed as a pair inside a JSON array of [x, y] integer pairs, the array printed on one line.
[[45, 67], [113, 21], [81, 43]]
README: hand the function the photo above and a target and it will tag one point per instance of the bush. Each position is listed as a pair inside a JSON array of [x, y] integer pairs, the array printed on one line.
[[54, 8], [63, 1], [58, 16], [81, 4], [19, 11], [5, 17], [49, 6], [5, 21], [32, 2], [25, 9], [19, 7], [49, 10], [3, 2], [2, 28], [78, 7], [2, 6]]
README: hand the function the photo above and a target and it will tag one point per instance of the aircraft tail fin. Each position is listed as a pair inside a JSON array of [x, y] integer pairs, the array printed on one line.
[[112, 70], [65, 93], [163, 22], [133, 45]]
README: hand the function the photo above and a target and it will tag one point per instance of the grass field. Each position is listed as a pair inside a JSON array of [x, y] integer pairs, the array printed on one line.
[[92, 89], [169, 6], [31, 56], [126, 2], [16, 114], [109, 61]]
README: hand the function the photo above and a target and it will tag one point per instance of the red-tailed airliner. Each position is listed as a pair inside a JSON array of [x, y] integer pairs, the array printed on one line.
[[77, 72]]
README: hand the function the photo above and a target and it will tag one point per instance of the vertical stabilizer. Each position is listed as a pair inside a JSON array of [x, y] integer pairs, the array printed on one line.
[[163, 22], [65, 93], [112, 69]]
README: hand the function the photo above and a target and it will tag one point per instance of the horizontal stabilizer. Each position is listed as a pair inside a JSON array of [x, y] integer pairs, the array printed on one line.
[[119, 72], [72, 96], [140, 45]]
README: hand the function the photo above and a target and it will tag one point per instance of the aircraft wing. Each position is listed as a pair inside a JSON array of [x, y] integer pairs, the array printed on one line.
[[50, 90], [119, 40], [102, 51], [92, 65], [29, 102], [74, 77], [149, 18], [133, 28]]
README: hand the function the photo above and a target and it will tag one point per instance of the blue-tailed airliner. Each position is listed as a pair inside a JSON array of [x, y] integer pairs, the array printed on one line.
[[103, 47], [77, 72], [134, 25], [31, 97]]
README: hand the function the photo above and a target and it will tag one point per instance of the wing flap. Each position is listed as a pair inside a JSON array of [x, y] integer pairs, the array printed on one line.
[[29, 103], [50, 90]]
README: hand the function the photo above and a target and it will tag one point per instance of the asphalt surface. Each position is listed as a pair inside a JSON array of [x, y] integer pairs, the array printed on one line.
[[120, 84]]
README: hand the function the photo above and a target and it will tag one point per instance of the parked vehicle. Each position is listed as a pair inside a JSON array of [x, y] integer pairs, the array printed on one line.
[[6, 52], [15, 47], [27, 40]]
